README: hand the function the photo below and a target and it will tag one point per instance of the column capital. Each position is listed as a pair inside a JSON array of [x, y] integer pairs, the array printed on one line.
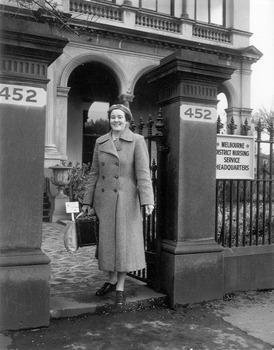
[[190, 76], [62, 91], [126, 99], [239, 116]]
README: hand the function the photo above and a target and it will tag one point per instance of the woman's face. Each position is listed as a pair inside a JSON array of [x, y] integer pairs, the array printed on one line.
[[117, 120]]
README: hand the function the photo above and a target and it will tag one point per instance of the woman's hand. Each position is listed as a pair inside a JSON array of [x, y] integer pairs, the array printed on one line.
[[149, 209], [87, 209]]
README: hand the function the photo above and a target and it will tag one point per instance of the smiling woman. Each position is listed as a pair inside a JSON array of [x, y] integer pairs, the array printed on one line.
[[119, 185], [117, 122]]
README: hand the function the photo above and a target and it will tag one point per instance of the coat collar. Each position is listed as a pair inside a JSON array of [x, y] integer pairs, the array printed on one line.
[[127, 135], [106, 144]]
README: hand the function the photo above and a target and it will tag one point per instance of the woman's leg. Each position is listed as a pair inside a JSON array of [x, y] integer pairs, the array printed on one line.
[[120, 297], [112, 277], [121, 276]]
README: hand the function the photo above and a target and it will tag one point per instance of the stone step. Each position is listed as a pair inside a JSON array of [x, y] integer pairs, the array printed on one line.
[[77, 304]]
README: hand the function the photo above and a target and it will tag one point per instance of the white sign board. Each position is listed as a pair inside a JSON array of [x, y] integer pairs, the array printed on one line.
[[198, 114], [22, 95], [72, 207], [235, 157]]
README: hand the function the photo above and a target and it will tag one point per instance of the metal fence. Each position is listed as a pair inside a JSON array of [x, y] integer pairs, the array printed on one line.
[[244, 207], [152, 224]]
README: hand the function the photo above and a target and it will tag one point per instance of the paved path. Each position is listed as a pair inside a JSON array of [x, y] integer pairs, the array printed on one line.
[[75, 279], [70, 273]]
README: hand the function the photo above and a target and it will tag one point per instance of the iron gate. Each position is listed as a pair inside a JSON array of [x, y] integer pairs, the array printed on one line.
[[152, 224]]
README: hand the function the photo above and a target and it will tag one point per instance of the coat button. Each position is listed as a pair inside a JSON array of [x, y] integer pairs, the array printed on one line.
[[102, 163], [116, 177], [103, 177], [117, 163], [115, 190], [103, 190]]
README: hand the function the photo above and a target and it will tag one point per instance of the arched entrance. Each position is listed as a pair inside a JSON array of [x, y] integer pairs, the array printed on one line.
[[93, 88], [145, 100]]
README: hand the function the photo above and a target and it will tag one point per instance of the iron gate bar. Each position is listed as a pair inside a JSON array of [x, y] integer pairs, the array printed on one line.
[[237, 213], [264, 204], [251, 183], [244, 216]]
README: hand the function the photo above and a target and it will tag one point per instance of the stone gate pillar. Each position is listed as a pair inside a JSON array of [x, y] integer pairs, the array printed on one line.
[[191, 261], [26, 51]]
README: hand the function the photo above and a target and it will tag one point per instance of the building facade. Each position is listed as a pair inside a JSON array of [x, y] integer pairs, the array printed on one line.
[[122, 51], [113, 44]]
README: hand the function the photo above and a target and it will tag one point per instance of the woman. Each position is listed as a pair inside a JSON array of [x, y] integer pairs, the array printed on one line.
[[119, 185]]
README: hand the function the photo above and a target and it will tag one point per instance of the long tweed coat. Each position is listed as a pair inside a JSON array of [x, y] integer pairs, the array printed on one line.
[[119, 184]]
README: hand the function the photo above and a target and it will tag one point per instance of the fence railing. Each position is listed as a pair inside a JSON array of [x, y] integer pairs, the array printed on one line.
[[244, 208]]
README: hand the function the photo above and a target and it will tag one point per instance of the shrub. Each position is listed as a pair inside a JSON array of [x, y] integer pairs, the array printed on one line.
[[245, 228], [79, 177]]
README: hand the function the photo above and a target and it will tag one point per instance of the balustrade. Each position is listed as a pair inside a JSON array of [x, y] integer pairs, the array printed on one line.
[[211, 34], [99, 10]]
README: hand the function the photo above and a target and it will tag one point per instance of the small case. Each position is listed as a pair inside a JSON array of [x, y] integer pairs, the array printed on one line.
[[87, 228]]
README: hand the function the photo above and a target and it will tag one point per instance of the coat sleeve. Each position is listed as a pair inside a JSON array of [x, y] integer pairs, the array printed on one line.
[[94, 174], [142, 170]]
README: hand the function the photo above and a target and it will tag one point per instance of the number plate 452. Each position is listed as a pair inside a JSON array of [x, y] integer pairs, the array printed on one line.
[[199, 114], [22, 95]]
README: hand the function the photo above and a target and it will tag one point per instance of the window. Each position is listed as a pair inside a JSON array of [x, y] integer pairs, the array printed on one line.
[[202, 10], [210, 11], [162, 6]]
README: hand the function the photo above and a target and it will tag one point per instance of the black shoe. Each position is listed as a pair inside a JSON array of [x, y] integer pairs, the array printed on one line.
[[120, 297], [106, 289]]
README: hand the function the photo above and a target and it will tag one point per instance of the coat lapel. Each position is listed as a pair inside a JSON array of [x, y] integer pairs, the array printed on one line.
[[106, 145], [127, 135]]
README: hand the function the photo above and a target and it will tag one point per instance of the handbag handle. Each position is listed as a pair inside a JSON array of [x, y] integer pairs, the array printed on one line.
[[80, 214]]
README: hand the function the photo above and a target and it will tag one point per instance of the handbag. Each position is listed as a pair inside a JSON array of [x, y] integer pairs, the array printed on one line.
[[87, 229], [70, 237]]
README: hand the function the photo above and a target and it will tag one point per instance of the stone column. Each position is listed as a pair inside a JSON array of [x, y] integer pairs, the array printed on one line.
[[185, 13], [51, 152], [25, 270], [62, 119], [191, 260]]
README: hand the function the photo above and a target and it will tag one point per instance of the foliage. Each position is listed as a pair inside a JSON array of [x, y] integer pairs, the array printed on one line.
[[79, 177], [245, 228], [266, 117], [99, 127]]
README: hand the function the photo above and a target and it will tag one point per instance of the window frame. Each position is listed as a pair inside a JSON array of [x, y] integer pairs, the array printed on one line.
[[171, 12], [209, 13]]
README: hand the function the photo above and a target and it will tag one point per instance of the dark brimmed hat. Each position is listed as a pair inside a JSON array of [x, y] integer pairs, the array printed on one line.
[[123, 108]]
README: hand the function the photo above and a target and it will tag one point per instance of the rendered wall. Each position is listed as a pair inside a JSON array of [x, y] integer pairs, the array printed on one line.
[[248, 268]]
